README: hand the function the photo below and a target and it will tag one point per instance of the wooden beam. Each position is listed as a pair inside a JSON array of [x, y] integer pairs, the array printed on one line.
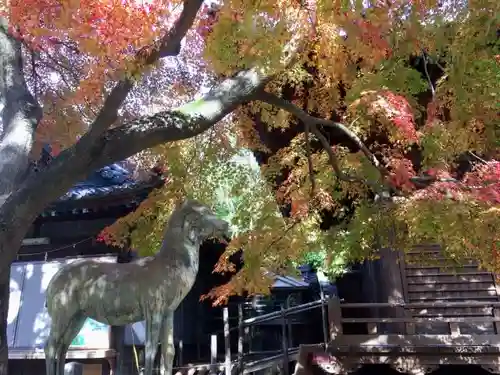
[[334, 318], [469, 319], [36, 241], [412, 343], [74, 228]]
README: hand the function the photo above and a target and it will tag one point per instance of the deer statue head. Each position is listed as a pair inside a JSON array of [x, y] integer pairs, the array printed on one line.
[[200, 223]]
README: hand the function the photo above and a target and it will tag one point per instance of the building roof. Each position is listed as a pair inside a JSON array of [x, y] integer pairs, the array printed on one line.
[[112, 180], [281, 281], [106, 180]]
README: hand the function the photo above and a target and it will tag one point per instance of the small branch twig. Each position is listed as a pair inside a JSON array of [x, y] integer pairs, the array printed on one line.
[[433, 90], [334, 162], [478, 158], [431, 60]]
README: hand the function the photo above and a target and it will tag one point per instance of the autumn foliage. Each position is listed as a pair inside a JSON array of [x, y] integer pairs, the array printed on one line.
[[393, 80], [79, 49], [409, 154]]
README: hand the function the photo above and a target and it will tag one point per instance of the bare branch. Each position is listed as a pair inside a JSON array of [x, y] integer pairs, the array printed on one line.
[[68, 69], [432, 61], [169, 45], [334, 162]]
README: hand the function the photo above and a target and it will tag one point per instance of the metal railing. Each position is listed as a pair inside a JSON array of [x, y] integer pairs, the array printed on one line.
[[333, 320], [243, 326]]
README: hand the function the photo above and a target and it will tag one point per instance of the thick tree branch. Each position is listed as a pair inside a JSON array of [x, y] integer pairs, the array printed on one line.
[[116, 144], [20, 114], [169, 45], [310, 165], [429, 80], [312, 122], [91, 152], [334, 162]]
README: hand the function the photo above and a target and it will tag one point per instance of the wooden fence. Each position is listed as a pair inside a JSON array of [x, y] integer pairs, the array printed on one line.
[[405, 314]]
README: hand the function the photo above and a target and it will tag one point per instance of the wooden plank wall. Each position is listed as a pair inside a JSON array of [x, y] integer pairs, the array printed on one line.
[[430, 278]]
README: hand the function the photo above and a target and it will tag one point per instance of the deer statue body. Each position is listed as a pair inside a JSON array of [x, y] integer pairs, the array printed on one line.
[[147, 289]]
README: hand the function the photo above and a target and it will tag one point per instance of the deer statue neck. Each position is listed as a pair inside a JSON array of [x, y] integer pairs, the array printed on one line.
[[181, 244]]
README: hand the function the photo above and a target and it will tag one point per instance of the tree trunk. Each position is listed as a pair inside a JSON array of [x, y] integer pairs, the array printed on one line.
[[23, 195], [4, 311], [19, 118]]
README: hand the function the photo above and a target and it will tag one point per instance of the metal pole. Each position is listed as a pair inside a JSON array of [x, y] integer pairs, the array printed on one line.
[[181, 349], [289, 323], [227, 344], [213, 349], [240, 338], [284, 341], [213, 355], [323, 315]]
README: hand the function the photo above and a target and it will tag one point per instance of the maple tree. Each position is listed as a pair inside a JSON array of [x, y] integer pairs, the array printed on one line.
[[367, 118], [367, 139]]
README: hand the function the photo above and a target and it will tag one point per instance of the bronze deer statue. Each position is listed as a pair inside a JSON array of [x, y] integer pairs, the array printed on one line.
[[148, 288]]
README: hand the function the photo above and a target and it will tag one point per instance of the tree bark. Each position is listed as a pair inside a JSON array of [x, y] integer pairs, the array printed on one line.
[[4, 310], [20, 115]]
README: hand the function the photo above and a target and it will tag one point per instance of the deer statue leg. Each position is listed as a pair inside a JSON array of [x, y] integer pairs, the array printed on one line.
[[50, 349], [60, 327], [167, 342], [74, 326], [153, 328]]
